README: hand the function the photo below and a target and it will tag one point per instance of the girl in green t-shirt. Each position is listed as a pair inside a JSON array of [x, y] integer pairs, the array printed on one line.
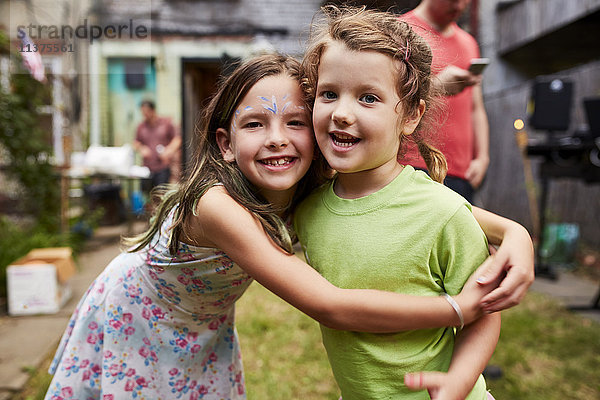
[[381, 225]]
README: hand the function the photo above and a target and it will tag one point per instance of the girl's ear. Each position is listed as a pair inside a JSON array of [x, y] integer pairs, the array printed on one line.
[[224, 142], [412, 121]]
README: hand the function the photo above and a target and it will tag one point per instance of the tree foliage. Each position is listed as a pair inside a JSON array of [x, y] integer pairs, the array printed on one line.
[[27, 152]]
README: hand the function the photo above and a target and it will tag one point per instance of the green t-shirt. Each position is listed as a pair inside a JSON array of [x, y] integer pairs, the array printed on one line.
[[413, 236]]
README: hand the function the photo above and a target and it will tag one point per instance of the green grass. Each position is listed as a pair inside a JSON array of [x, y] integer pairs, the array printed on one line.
[[545, 352], [38, 383], [281, 350]]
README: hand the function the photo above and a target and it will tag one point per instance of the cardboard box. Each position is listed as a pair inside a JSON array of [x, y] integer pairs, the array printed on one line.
[[39, 282]]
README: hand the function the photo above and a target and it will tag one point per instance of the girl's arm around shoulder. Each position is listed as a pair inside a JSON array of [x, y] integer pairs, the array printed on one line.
[[223, 223], [514, 258]]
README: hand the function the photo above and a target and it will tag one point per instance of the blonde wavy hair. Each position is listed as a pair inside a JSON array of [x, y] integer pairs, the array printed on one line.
[[360, 29]]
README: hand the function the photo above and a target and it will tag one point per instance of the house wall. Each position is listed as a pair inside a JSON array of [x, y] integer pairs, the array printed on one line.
[[506, 91], [284, 23], [167, 55], [200, 29]]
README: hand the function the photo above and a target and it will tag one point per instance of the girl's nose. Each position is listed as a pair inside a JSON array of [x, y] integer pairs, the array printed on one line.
[[277, 138], [342, 114]]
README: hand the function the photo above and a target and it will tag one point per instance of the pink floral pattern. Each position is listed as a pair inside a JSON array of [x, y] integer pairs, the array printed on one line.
[[155, 326]]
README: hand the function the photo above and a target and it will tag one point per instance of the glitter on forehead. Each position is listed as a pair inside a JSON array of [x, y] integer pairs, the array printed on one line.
[[285, 105], [234, 122], [272, 103], [272, 106], [237, 114]]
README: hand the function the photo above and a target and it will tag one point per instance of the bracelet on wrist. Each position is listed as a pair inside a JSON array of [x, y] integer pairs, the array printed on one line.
[[457, 309]]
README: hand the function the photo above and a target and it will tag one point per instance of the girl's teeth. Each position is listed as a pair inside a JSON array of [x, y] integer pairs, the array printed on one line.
[[343, 144], [342, 140], [277, 162]]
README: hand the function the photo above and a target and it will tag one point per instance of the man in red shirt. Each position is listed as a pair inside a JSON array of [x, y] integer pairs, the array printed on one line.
[[464, 135], [158, 142]]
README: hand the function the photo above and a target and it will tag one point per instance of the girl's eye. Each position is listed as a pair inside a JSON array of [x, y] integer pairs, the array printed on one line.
[[296, 123], [368, 98], [253, 124], [329, 95]]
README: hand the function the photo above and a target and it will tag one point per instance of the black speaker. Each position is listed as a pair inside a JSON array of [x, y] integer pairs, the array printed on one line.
[[551, 101], [592, 112]]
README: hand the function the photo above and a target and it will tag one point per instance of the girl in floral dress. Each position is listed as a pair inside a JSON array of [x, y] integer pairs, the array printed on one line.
[[158, 323]]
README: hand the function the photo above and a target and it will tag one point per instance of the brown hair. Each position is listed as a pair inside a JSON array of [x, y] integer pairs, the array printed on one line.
[[360, 29], [208, 167]]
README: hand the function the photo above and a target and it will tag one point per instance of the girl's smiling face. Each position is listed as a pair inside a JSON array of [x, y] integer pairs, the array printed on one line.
[[270, 137], [358, 116]]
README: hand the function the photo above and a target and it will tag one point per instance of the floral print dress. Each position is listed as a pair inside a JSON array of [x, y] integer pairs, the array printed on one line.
[[155, 326]]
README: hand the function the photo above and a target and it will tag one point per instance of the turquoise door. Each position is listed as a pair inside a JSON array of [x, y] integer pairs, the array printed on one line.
[[130, 80]]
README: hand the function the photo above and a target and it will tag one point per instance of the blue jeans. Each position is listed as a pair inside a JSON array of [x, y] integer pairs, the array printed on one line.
[[156, 178], [460, 186]]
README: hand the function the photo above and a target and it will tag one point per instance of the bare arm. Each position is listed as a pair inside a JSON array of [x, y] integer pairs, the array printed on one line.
[[479, 165], [141, 148], [473, 348], [173, 147], [514, 258], [223, 223]]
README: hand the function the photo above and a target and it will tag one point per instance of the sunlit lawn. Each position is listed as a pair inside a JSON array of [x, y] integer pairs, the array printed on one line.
[[281, 350], [545, 352]]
